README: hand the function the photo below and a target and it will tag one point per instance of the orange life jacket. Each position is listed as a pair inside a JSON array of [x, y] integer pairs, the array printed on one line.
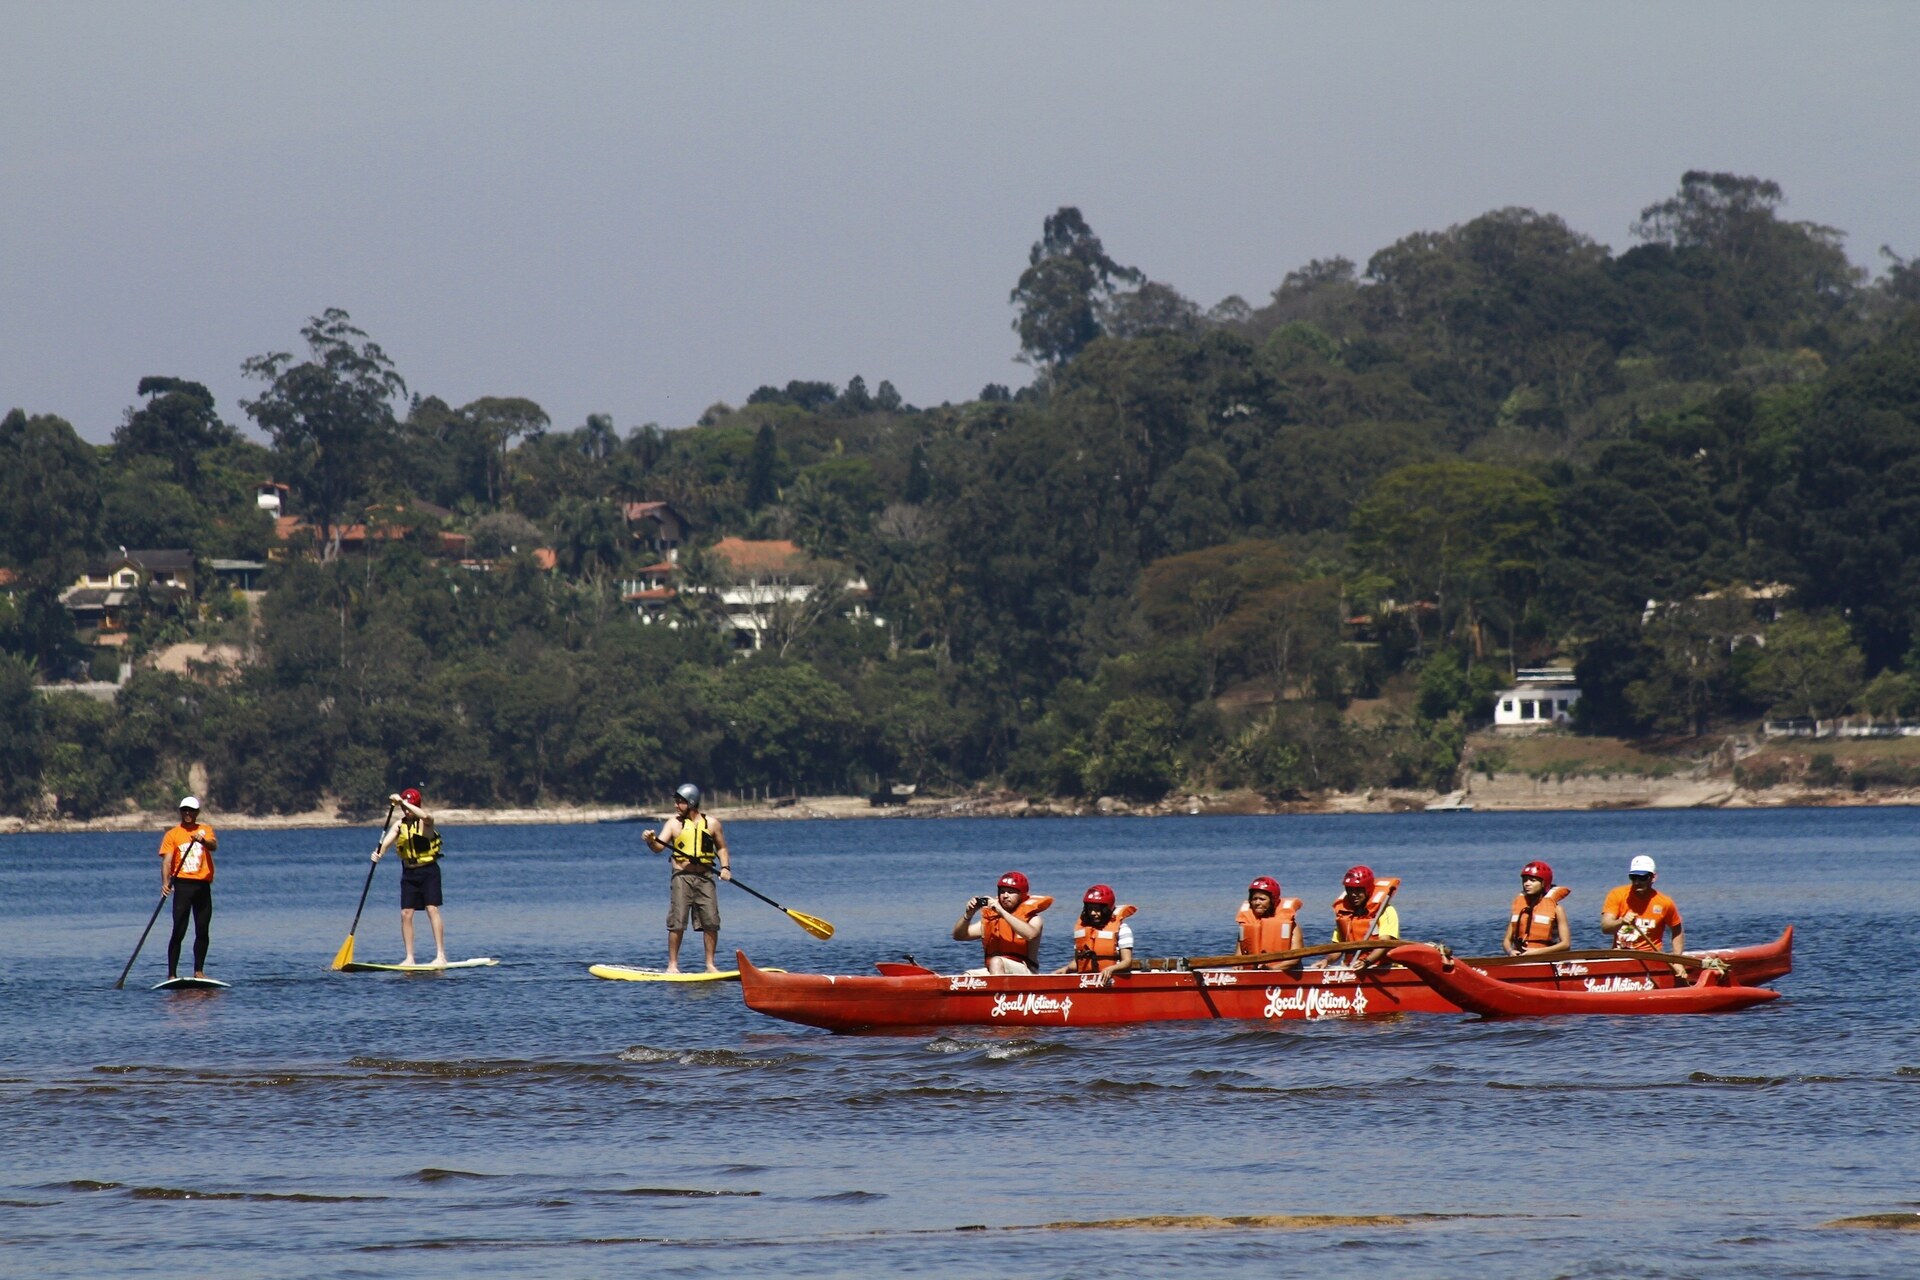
[[1355, 926], [999, 940], [186, 854], [1535, 924], [1261, 934], [1094, 947]]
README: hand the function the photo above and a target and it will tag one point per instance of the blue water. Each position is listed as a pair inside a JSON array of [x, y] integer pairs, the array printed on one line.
[[530, 1119]]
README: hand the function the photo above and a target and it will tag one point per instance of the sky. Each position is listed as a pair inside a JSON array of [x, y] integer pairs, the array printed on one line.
[[641, 209]]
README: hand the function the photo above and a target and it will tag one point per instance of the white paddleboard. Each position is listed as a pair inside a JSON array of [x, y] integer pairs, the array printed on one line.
[[192, 984], [624, 973], [361, 966]]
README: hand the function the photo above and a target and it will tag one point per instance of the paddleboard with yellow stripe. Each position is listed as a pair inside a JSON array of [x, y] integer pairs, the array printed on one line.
[[625, 973]]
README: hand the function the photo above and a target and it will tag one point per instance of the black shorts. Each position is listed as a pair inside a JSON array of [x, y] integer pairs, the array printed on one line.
[[420, 886]]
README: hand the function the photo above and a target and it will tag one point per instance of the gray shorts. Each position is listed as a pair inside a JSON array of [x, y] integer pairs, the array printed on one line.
[[693, 894]]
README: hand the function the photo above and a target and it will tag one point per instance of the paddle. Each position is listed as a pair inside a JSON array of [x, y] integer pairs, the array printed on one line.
[[1268, 957], [344, 957], [1650, 957], [143, 940], [812, 924]]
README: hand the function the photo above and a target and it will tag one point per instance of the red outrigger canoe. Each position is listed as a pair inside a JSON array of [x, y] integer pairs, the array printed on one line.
[[1478, 991], [909, 998]]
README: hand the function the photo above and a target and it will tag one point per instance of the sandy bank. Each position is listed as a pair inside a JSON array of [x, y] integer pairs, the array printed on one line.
[[1498, 794]]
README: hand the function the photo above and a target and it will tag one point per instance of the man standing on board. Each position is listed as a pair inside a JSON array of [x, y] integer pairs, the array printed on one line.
[[1637, 914], [418, 841], [698, 846], [186, 864]]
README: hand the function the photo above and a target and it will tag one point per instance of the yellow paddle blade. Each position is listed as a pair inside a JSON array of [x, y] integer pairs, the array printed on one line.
[[812, 924], [344, 957]]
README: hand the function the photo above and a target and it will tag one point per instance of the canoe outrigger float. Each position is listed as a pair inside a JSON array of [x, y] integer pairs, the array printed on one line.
[[1423, 979]]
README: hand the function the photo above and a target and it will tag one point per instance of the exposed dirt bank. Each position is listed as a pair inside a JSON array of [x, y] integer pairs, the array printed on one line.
[[1505, 792]]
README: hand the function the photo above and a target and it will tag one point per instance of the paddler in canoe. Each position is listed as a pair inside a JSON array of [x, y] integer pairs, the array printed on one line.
[[1537, 923], [1008, 927], [1268, 923], [1362, 912], [1637, 915], [1102, 940]]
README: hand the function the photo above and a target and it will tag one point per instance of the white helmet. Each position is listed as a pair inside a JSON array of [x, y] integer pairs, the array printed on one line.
[[688, 792]]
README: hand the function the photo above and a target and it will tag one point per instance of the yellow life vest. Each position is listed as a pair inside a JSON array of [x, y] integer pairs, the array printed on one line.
[[416, 848], [695, 843]]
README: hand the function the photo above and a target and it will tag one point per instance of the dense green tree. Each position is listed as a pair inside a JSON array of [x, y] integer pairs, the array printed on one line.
[[1809, 667], [177, 425], [329, 416], [1068, 284]]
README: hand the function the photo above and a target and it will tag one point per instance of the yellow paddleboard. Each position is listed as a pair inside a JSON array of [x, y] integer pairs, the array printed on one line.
[[624, 973]]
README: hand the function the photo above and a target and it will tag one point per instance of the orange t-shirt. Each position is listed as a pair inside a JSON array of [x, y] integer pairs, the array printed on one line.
[[1654, 912], [187, 852]]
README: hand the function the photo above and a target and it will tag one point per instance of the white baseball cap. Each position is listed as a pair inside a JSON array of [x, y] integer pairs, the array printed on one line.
[[190, 802], [1641, 865]]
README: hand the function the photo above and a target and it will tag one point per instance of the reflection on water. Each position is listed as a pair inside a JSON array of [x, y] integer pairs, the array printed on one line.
[[531, 1117]]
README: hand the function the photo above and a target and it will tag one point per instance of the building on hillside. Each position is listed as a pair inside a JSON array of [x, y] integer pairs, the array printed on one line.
[[271, 497], [656, 527], [237, 575], [102, 599], [383, 525], [1540, 696], [754, 587], [1764, 602]]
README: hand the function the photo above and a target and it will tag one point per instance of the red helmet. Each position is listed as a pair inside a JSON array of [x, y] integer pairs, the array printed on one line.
[[1265, 884], [1537, 870], [1359, 878], [412, 796], [1101, 895], [1014, 880]]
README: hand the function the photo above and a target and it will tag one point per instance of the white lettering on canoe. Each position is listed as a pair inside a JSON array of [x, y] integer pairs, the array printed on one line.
[[1569, 969], [1315, 1002], [966, 982], [1089, 981], [1619, 983], [1214, 979], [1032, 1004]]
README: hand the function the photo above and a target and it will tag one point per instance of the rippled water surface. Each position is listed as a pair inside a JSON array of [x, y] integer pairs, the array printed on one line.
[[531, 1119]]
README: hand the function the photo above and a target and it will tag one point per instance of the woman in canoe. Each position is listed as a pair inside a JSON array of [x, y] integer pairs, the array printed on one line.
[[1363, 911], [1537, 923], [1266, 925], [1102, 940], [1008, 927]]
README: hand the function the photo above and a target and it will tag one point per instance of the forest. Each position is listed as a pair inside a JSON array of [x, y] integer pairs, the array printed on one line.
[[1291, 546]]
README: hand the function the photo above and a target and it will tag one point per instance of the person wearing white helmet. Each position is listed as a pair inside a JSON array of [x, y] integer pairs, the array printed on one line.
[[186, 865], [1637, 915], [697, 848]]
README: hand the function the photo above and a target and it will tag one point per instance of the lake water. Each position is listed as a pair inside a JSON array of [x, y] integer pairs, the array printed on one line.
[[531, 1119]]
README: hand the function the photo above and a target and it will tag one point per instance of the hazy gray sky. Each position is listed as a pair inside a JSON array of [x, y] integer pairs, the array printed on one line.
[[639, 209]]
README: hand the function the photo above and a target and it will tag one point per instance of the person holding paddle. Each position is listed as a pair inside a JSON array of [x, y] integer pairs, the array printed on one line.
[[418, 840], [1009, 926], [698, 847], [186, 865], [1363, 911], [1537, 925], [1637, 915]]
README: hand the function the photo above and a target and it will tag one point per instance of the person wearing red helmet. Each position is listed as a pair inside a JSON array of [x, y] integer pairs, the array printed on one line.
[[1102, 939], [1267, 922], [1537, 923], [418, 841], [1008, 927], [1363, 911]]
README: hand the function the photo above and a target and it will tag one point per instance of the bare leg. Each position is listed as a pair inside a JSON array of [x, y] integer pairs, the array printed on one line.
[[673, 949], [406, 932], [711, 940], [439, 936]]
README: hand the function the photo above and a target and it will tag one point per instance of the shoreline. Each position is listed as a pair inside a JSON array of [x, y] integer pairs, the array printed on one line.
[[1502, 793]]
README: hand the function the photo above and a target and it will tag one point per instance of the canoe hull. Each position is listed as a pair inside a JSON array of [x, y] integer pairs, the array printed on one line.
[[903, 1002], [1478, 991]]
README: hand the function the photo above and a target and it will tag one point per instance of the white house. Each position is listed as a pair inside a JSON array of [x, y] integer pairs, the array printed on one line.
[[1540, 696]]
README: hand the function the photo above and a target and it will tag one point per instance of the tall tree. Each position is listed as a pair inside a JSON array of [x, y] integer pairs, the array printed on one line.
[[177, 424], [330, 416], [1061, 295]]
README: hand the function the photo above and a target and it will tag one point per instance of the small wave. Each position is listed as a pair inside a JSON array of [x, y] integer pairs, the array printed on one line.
[[430, 1175], [690, 1193], [1764, 1082], [483, 1069], [1878, 1222], [1908, 1071], [848, 1197], [998, 1049], [293, 1197], [1257, 1222], [647, 1054], [80, 1184], [26, 1204], [737, 1169]]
